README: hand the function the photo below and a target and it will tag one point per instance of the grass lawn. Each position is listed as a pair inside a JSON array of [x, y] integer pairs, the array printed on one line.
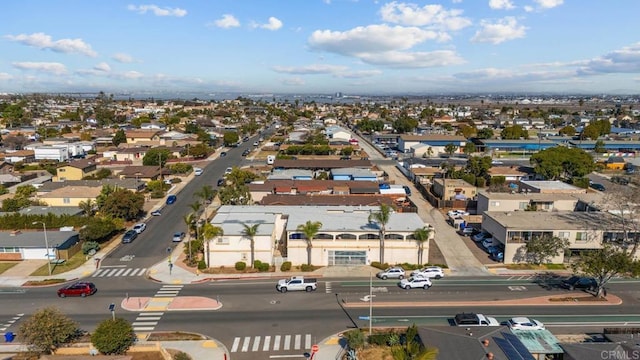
[[76, 261], [4, 266], [536, 267]]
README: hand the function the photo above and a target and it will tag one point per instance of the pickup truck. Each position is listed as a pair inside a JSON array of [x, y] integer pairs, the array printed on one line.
[[471, 319], [297, 283]]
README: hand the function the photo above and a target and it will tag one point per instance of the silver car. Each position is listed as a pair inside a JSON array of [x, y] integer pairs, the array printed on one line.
[[391, 273]]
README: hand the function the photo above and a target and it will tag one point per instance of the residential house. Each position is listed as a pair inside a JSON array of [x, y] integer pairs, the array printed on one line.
[[291, 174], [259, 190], [453, 189], [153, 125], [523, 201], [145, 137], [338, 133], [510, 173], [142, 173], [58, 153], [346, 237], [549, 187], [129, 184], [438, 143], [323, 165], [133, 154], [70, 195], [76, 170], [353, 174], [615, 163], [31, 245], [24, 156]]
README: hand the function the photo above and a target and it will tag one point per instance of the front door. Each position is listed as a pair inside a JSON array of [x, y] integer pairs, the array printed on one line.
[[347, 258]]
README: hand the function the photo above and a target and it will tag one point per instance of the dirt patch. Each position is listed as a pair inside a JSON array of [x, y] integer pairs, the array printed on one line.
[[174, 336], [44, 282], [435, 255], [579, 299], [375, 353]]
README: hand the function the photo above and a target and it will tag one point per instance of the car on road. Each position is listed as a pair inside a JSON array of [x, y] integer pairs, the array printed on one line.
[[197, 171], [80, 288], [228, 171], [223, 154], [429, 272], [178, 237], [524, 323], [156, 213], [579, 282], [497, 162], [255, 143], [171, 199], [129, 236], [220, 182], [597, 186], [473, 319], [395, 272], [415, 282], [139, 228]]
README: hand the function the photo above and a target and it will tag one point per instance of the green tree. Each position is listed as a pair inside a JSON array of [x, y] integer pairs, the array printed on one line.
[[230, 138], [410, 349], [119, 137], [113, 337], [469, 148], [590, 132], [466, 131], [239, 177], [235, 195], [199, 151], [599, 147], [250, 231], [514, 132], [485, 133], [450, 148], [404, 124], [310, 229], [47, 329], [382, 218], [14, 114], [567, 130], [478, 166], [209, 232], [88, 207], [560, 162], [124, 204], [605, 263], [99, 229], [156, 157], [421, 236], [541, 249]]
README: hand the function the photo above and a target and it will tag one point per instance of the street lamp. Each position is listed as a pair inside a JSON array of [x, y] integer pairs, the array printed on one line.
[[46, 242]]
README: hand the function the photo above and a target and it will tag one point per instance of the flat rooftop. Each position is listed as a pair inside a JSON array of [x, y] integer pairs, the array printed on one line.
[[551, 220]]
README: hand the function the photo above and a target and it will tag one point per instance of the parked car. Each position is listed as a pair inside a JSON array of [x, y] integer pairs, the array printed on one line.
[[598, 186], [487, 243], [197, 171], [228, 170], [220, 182], [457, 213], [139, 228], [80, 288], [467, 231], [429, 272], [620, 180], [480, 236], [497, 256], [415, 282], [246, 152], [407, 190], [156, 213], [255, 143], [129, 236], [473, 319], [171, 199], [223, 154], [579, 282], [178, 237], [391, 273], [524, 323], [497, 162]]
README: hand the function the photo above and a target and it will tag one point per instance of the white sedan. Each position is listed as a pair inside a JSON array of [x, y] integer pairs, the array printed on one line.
[[524, 323], [139, 228], [429, 272], [415, 282]]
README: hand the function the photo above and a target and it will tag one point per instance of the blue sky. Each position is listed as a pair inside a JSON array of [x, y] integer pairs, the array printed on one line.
[[321, 46]]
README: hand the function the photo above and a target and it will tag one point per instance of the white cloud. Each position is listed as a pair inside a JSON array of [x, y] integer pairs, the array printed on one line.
[[44, 41], [296, 81], [273, 24], [433, 16], [5, 76], [548, 4], [46, 67], [400, 59], [158, 11], [310, 69], [132, 75], [625, 60], [227, 21], [358, 74], [103, 66], [501, 4], [503, 30], [123, 58]]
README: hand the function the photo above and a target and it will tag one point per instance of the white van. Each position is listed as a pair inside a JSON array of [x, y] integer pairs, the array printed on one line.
[[271, 159]]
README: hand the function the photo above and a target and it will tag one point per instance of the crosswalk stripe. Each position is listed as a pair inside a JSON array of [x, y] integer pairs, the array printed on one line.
[[116, 272], [151, 314], [276, 343], [236, 342], [119, 272], [267, 342], [172, 286], [144, 323], [287, 342], [144, 328], [126, 272], [157, 318], [296, 342], [307, 341], [245, 344], [256, 344]]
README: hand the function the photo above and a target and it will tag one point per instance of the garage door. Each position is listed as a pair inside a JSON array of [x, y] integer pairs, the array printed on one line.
[[345, 258]]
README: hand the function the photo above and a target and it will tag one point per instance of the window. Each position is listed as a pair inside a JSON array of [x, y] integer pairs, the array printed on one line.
[[62, 170], [222, 241], [581, 236], [495, 203], [564, 235], [369, 236], [523, 205], [66, 200]]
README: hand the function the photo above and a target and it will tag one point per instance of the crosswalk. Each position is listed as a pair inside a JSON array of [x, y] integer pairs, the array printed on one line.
[[119, 272], [4, 325], [148, 320], [271, 343]]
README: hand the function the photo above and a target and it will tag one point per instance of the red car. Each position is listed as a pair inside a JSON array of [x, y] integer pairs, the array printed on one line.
[[77, 289]]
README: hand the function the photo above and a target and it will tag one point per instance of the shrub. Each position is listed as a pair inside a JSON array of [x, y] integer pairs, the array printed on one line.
[[378, 339], [113, 336], [306, 267], [378, 265], [257, 264], [264, 267], [355, 339], [90, 245], [286, 266], [202, 265], [182, 356], [241, 265]]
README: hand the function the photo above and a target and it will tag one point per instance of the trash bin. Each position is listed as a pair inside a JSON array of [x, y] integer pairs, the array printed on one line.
[[8, 337]]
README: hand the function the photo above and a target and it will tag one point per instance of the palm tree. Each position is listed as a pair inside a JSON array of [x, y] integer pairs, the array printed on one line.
[[309, 229], [209, 232], [206, 194], [421, 236], [88, 207], [250, 232], [196, 206], [382, 218], [190, 221]]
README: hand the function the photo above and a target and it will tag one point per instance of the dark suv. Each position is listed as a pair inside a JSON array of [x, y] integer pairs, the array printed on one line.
[[78, 289], [129, 236], [579, 282]]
